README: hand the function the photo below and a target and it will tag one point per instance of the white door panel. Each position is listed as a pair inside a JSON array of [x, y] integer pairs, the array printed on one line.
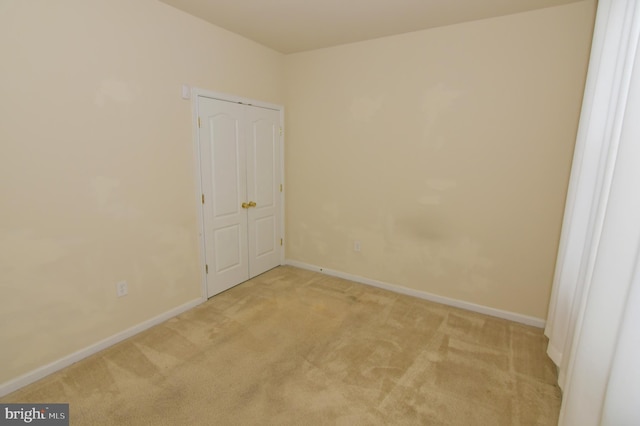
[[224, 183], [227, 164], [227, 248], [240, 163], [265, 239], [263, 188]]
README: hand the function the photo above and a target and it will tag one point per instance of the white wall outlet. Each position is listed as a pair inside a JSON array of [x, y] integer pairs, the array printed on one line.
[[356, 246], [122, 288]]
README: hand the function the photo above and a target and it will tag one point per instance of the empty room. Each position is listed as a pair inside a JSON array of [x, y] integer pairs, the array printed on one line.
[[303, 212]]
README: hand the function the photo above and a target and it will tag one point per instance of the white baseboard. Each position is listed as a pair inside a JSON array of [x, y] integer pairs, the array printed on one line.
[[39, 373], [512, 316]]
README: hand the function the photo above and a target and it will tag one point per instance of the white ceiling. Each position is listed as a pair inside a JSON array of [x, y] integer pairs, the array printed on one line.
[[290, 26]]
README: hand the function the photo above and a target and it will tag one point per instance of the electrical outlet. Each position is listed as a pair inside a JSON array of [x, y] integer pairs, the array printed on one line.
[[122, 288], [356, 246]]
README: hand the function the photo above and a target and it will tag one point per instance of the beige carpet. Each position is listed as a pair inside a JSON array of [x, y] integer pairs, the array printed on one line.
[[293, 347]]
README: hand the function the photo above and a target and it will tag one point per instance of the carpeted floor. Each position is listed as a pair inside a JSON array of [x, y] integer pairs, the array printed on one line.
[[294, 347]]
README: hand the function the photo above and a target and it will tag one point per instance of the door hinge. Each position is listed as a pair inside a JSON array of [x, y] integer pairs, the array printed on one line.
[[280, 241], [280, 187], [202, 198], [198, 122], [206, 269], [280, 130]]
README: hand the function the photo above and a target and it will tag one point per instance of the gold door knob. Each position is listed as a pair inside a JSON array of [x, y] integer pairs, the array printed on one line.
[[245, 206], [252, 203]]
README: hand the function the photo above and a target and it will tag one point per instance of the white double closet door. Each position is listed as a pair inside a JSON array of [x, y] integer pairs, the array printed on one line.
[[241, 184]]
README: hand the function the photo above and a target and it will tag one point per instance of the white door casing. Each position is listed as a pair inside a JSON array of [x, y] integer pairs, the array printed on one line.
[[240, 175]]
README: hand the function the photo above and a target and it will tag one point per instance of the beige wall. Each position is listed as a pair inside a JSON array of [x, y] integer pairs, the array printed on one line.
[[96, 165], [446, 152]]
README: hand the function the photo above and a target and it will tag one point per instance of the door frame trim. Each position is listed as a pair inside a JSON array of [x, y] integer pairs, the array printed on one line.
[[197, 93]]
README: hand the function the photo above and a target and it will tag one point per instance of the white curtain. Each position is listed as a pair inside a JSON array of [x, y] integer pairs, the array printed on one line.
[[595, 301]]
